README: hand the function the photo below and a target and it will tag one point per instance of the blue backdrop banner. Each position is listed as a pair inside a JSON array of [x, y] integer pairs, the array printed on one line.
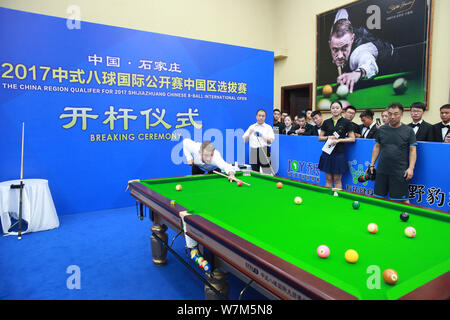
[[430, 187], [103, 105]]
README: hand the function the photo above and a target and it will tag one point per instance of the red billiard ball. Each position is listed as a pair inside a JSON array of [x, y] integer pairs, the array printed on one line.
[[279, 185], [240, 183]]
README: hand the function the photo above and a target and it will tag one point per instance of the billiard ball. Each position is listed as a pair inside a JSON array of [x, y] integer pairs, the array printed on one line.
[[240, 183], [178, 187], [390, 276], [355, 205], [172, 203], [410, 232], [342, 91], [279, 185], [324, 104], [298, 200], [323, 251], [327, 90], [206, 266], [404, 216], [351, 256], [372, 227], [194, 253], [344, 103], [400, 86], [203, 264]]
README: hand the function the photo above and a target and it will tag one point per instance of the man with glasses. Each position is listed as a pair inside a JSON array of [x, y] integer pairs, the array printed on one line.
[[395, 143], [422, 129]]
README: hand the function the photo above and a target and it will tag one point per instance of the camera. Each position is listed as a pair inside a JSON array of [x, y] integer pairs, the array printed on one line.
[[367, 176]]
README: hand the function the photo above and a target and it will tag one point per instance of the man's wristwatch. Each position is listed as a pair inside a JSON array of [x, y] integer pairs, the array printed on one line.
[[362, 71]]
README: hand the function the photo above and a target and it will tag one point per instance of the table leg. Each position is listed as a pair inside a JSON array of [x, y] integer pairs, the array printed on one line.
[[159, 252], [218, 280]]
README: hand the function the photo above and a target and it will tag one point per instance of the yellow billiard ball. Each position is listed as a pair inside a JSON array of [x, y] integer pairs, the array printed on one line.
[[351, 256]]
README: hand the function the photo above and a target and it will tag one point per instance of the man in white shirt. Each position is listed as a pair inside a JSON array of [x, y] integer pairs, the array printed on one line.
[[204, 158], [260, 136]]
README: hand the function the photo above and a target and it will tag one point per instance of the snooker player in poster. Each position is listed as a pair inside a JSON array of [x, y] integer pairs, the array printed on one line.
[[373, 52]]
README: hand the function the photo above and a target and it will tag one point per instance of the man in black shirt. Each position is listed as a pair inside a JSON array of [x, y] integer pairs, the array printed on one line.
[[277, 124], [349, 114], [422, 129], [395, 143]]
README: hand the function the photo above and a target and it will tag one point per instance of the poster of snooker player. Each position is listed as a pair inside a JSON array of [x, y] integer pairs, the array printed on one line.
[[371, 53]]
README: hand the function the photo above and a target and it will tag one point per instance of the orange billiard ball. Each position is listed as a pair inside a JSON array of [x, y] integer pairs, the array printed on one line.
[[327, 90], [390, 276], [279, 185], [372, 227]]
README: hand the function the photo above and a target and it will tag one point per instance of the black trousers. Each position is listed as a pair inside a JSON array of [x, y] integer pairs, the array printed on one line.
[[197, 170], [258, 159]]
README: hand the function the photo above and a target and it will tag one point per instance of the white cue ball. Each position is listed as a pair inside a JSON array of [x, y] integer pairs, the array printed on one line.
[[342, 91], [324, 104], [298, 200]]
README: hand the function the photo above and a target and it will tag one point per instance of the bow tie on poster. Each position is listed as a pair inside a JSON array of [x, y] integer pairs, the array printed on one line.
[[445, 126], [415, 125]]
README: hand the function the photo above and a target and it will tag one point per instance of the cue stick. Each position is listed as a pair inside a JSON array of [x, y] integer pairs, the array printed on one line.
[[262, 149], [19, 236], [339, 70], [236, 179]]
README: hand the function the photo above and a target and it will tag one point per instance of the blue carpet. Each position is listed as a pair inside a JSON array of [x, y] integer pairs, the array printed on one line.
[[111, 249]]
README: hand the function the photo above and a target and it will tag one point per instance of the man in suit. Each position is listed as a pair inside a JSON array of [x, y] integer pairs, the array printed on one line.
[[368, 128], [442, 129], [318, 120], [422, 129], [304, 128]]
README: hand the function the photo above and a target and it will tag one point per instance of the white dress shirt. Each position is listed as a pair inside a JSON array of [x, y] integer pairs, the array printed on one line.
[[417, 127], [444, 130], [257, 141], [366, 130], [191, 150]]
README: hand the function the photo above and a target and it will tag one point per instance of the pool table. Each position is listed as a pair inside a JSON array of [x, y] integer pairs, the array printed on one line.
[[259, 233], [380, 91]]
